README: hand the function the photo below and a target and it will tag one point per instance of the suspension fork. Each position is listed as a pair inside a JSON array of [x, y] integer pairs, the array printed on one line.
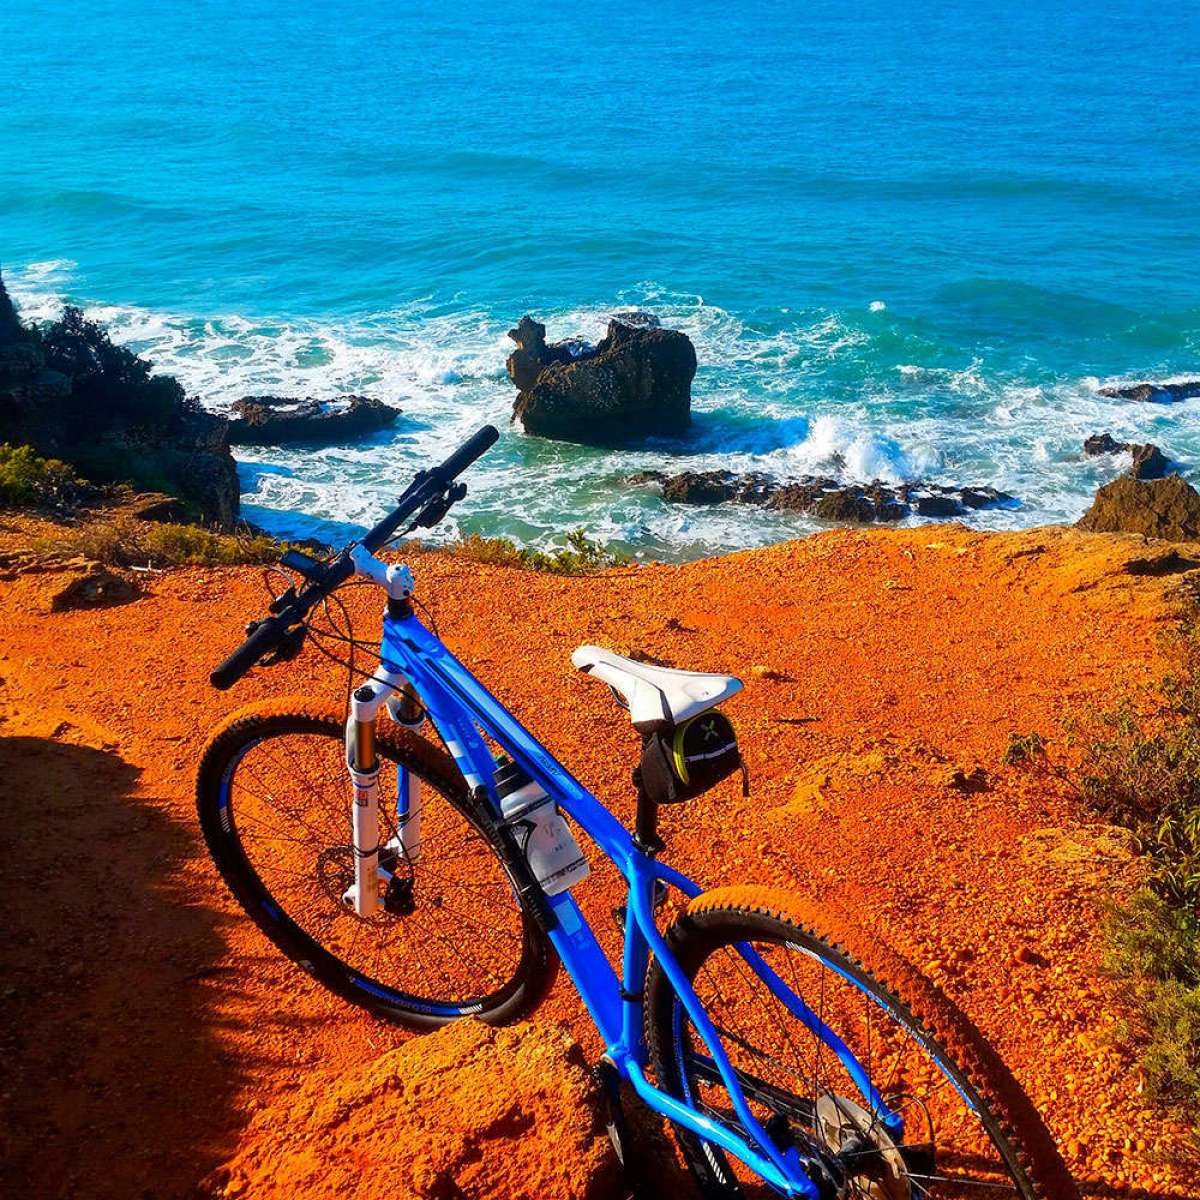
[[407, 711], [362, 762]]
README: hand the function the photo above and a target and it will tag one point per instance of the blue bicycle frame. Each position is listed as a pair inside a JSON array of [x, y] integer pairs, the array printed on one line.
[[462, 710]]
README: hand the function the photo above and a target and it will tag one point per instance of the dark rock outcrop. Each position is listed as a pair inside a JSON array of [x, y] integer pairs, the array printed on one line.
[[636, 382], [821, 497], [156, 508], [71, 393], [1148, 461], [272, 420], [1154, 393], [710, 487], [534, 353], [1102, 443], [1159, 508]]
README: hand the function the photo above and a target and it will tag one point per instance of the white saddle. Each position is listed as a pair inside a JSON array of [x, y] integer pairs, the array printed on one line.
[[655, 694]]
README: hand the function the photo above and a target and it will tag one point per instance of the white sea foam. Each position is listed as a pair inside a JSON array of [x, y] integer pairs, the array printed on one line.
[[764, 400]]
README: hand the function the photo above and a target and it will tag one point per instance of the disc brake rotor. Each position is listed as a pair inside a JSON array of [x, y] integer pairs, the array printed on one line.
[[335, 871], [876, 1168]]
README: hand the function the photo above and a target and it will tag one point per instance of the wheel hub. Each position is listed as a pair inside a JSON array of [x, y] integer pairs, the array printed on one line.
[[873, 1163]]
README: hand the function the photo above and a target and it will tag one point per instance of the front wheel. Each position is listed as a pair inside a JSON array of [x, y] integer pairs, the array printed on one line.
[[274, 800], [927, 1110]]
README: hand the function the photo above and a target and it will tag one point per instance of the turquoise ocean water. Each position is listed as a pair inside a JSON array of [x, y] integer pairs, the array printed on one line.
[[915, 236]]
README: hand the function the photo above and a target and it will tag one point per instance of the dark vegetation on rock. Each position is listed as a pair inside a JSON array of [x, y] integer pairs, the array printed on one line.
[[1154, 393], [1149, 462], [70, 393], [272, 420], [1159, 508], [636, 382], [824, 498]]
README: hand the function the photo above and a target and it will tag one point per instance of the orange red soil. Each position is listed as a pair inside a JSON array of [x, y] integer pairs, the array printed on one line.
[[153, 1039]]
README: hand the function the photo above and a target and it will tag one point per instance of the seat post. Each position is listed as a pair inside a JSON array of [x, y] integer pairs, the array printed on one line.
[[645, 830]]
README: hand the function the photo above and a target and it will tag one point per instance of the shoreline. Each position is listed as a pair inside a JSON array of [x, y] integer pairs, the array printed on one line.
[[447, 378]]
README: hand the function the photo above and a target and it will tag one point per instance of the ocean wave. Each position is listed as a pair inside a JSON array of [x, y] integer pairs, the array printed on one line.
[[855, 395]]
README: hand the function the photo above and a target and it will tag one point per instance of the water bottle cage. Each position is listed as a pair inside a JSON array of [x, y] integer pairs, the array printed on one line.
[[529, 891]]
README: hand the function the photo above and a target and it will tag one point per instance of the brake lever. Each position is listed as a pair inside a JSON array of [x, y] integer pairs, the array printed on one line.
[[285, 599], [433, 511], [289, 647]]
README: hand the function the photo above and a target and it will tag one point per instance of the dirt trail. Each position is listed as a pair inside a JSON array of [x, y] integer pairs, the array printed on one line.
[[144, 1024]]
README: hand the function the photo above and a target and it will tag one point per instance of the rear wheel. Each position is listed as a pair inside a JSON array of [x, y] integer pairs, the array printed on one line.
[[968, 1130], [274, 801]]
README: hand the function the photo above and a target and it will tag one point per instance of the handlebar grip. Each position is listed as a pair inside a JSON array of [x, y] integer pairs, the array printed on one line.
[[262, 641], [476, 445]]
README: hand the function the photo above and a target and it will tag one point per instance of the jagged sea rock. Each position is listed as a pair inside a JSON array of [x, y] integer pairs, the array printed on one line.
[[636, 382], [1148, 461], [983, 497], [822, 497], [70, 393], [533, 352], [1154, 393], [937, 506], [272, 420], [709, 487], [1159, 508], [1102, 443], [637, 319]]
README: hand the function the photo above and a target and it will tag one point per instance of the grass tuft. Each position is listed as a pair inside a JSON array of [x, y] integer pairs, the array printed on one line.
[[122, 540], [580, 556], [1140, 768]]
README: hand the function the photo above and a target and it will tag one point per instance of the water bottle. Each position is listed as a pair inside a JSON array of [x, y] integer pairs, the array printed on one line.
[[544, 837]]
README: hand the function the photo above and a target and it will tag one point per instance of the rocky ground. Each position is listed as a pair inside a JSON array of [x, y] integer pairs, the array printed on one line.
[[155, 1045]]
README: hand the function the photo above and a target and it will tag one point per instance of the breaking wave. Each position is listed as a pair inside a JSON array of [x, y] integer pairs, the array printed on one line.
[[857, 395]]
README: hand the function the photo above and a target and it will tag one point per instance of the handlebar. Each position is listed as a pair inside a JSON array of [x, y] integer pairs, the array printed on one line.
[[429, 484], [477, 445], [430, 493], [260, 643]]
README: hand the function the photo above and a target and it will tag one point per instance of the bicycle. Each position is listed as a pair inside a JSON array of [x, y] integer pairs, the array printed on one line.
[[786, 1048]]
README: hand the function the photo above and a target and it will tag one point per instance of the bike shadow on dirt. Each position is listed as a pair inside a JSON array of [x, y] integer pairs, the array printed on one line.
[[115, 1084]]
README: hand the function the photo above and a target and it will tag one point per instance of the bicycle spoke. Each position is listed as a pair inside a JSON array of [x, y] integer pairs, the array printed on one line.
[[788, 1072], [464, 936]]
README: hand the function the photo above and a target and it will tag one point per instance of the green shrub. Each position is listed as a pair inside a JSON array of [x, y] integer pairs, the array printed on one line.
[[1154, 948], [1171, 1058], [190, 545], [580, 556], [27, 478], [110, 385], [1140, 768], [1024, 748], [126, 541], [499, 552]]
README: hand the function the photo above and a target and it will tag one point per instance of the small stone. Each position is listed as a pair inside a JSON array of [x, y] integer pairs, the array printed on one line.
[[1029, 957], [762, 671]]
